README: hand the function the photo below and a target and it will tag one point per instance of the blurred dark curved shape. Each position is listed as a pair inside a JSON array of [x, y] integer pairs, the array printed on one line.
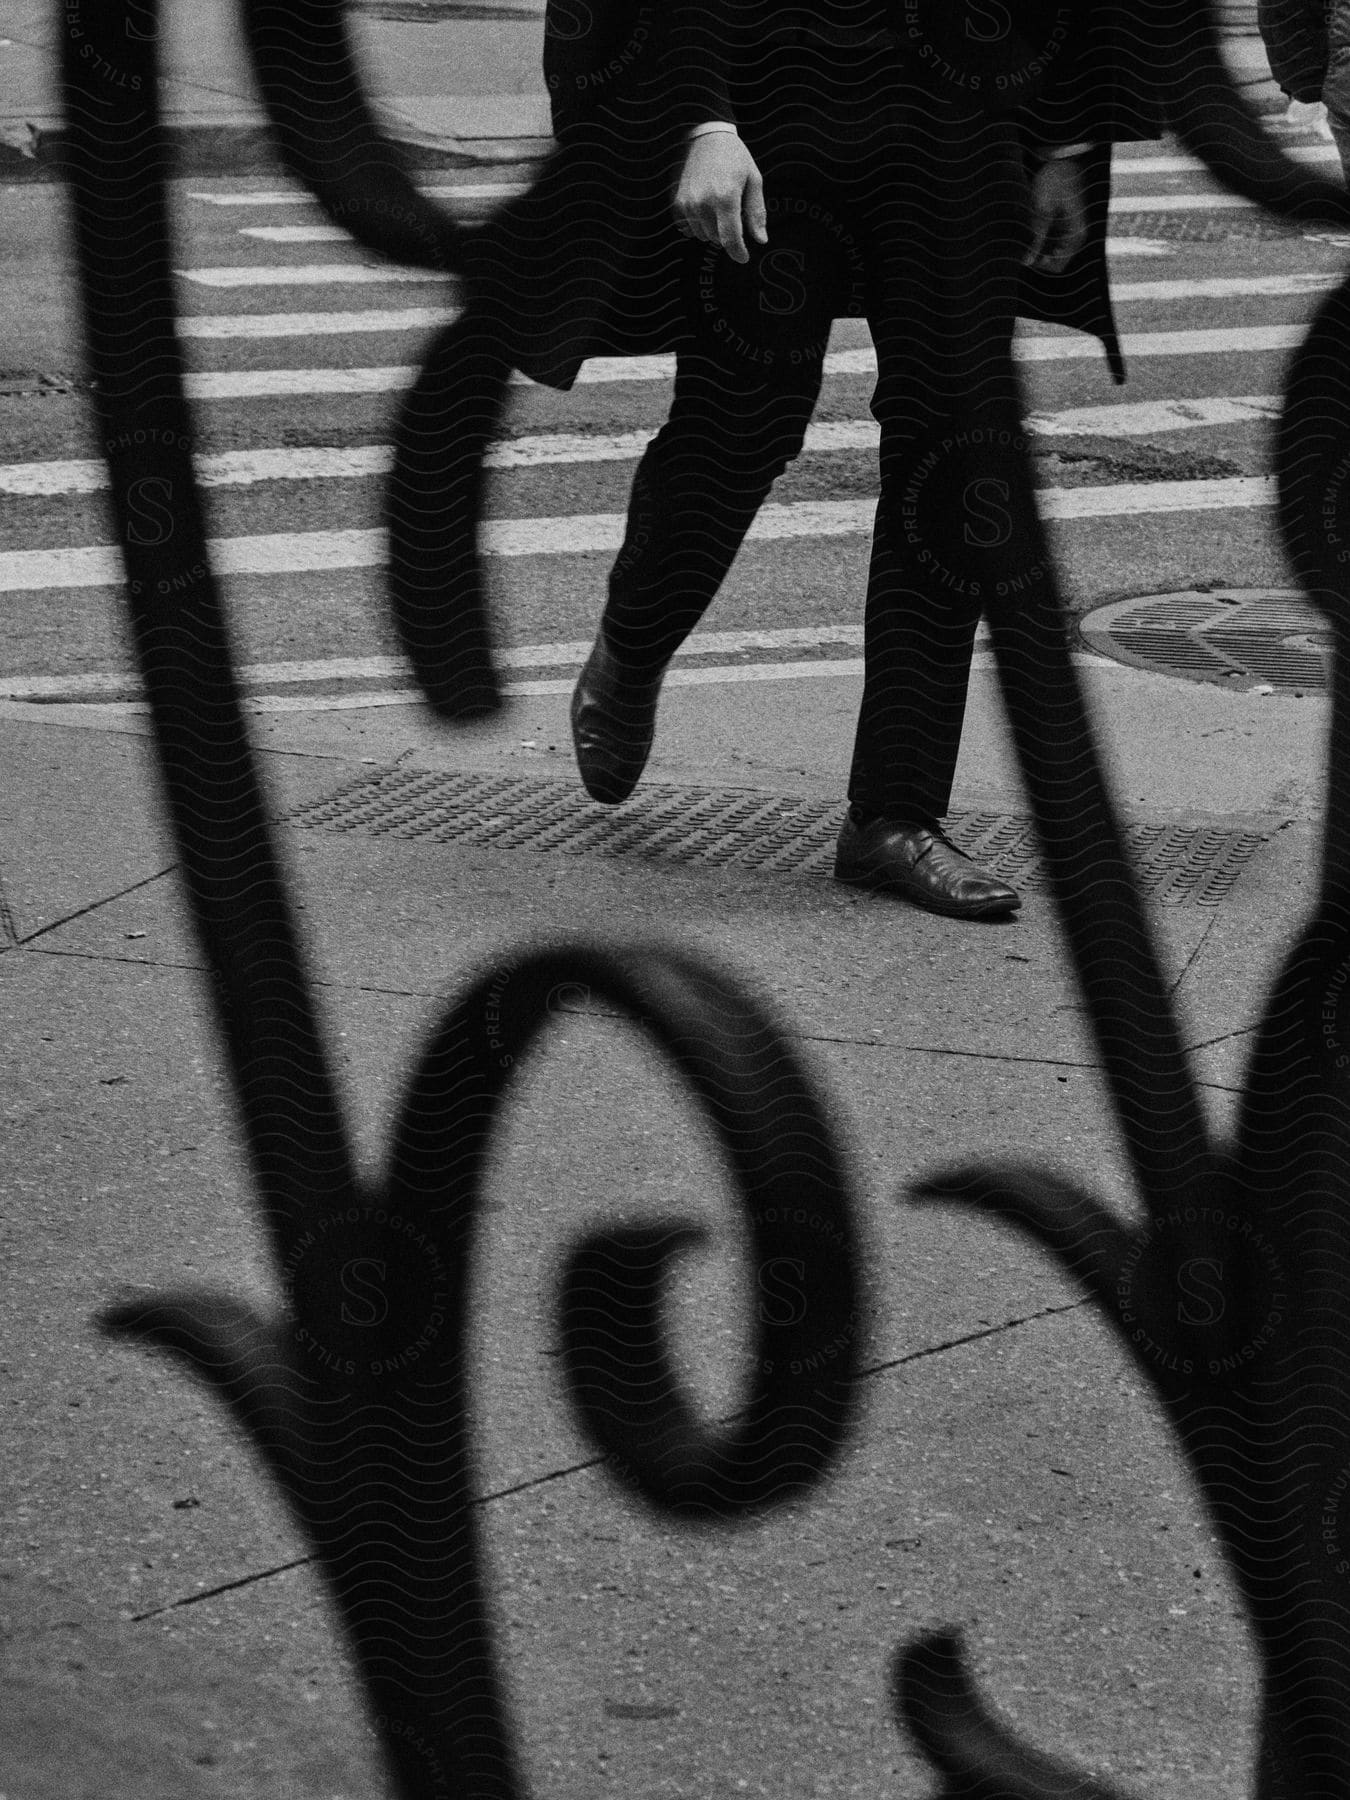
[[1258, 1390], [356, 1397], [1263, 1418]]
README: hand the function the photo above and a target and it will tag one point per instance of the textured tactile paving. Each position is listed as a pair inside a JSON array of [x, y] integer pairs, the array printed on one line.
[[729, 828]]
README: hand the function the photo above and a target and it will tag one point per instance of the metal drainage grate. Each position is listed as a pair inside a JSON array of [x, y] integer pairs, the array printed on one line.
[[1241, 638], [729, 827]]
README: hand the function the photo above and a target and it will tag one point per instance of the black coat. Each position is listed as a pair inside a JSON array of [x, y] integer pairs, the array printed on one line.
[[586, 262]]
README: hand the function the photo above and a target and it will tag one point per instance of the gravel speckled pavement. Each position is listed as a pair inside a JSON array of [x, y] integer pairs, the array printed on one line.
[[162, 1635]]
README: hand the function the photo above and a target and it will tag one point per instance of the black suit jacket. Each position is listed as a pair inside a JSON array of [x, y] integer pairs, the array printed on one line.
[[582, 264]]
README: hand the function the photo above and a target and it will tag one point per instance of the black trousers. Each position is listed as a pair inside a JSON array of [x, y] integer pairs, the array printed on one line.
[[914, 210]]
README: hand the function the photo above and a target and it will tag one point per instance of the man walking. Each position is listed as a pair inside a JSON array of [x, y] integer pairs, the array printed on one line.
[[931, 162]]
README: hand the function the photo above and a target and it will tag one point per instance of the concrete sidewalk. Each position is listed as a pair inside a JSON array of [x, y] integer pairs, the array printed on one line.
[[161, 1636], [458, 91], [1010, 1473]]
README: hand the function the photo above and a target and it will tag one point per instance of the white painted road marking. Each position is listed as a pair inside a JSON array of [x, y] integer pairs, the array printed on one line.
[[297, 234], [569, 653], [305, 275], [709, 675], [335, 234], [268, 384], [249, 275], [263, 384], [1139, 247], [424, 318], [1191, 165], [1125, 163], [314, 324], [1201, 341], [298, 197], [1210, 201], [317, 462], [1144, 417], [312, 552], [1228, 287]]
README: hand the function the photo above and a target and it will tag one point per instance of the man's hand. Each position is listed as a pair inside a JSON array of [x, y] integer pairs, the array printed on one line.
[[1059, 215], [720, 196]]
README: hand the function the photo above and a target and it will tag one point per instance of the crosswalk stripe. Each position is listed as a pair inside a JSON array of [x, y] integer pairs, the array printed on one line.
[[1201, 341], [354, 274], [566, 654], [262, 384], [305, 275], [425, 318], [314, 324], [267, 384], [1122, 204], [335, 234], [1071, 347], [1144, 417], [313, 552], [1191, 165], [297, 234], [1123, 163], [1121, 499], [319, 462], [77, 712], [1229, 287], [249, 275], [298, 196]]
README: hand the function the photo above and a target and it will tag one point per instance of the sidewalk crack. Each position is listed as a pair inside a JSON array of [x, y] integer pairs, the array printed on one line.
[[224, 1587], [9, 925], [598, 1462], [974, 1337], [1192, 958], [82, 912]]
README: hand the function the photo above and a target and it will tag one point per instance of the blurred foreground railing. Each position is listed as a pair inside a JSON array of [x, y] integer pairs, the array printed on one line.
[[356, 1397]]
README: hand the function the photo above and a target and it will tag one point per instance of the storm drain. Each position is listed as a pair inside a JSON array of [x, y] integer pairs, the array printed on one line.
[[1242, 638], [739, 828]]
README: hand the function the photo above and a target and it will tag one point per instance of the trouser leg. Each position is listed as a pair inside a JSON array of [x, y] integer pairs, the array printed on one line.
[[946, 541], [695, 495], [918, 642]]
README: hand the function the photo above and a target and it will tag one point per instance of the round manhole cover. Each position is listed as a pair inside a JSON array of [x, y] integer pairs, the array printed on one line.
[[1243, 638]]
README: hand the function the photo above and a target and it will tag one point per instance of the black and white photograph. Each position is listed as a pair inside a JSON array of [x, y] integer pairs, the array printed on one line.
[[675, 899]]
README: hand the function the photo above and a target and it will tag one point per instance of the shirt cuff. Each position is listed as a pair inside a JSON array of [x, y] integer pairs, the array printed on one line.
[[712, 125], [1057, 152]]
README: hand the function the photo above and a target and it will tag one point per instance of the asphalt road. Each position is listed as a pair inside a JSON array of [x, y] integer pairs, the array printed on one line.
[[157, 1568], [283, 314]]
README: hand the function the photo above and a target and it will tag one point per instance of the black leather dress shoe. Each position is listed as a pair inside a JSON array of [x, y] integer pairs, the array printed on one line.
[[613, 724], [921, 864]]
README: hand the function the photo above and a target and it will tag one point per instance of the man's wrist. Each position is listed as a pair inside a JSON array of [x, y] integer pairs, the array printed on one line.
[[710, 126]]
